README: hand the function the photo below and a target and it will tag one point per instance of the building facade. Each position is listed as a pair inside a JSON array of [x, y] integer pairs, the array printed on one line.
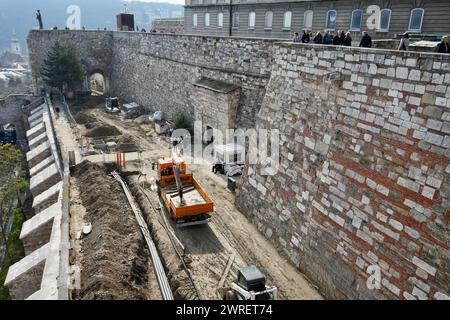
[[279, 19], [15, 45], [168, 25]]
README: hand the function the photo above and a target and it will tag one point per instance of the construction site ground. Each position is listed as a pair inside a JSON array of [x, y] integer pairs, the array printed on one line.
[[208, 248]]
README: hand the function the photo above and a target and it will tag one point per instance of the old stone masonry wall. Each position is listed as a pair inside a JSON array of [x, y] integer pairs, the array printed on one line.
[[94, 48], [158, 70], [364, 180]]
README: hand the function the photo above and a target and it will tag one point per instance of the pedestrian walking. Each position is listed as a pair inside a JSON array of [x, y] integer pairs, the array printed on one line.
[[404, 42], [347, 40], [366, 40], [342, 36], [443, 46], [337, 41], [318, 39], [327, 38], [305, 37], [296, 37]]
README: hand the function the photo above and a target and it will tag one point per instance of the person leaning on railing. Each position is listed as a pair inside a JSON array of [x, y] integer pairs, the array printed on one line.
[[404, 42], [443, 46]]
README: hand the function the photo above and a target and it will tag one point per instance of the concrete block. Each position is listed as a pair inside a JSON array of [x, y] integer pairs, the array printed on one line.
[[44, 180], [37, 114], [47, 198], [36, 122], [24, 277], [37, 109], [36, 231], [38, 154], [38, 140], [42, 165], [35, 131]]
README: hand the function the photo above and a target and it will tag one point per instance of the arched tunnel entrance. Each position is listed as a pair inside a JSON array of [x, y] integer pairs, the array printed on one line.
[[97, 84]]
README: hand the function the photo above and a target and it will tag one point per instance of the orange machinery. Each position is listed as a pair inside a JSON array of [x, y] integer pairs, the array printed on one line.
[[184, 199]]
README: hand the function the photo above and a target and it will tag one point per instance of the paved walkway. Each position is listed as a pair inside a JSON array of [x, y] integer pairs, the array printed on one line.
[[66, 135]]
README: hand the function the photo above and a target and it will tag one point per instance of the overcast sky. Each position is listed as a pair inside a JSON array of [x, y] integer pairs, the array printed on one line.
[[168, 1]]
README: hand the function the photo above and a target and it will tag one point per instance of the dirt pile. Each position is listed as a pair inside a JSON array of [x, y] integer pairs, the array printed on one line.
[[82, 118], [115, 257], [87, 102], [103, 131]]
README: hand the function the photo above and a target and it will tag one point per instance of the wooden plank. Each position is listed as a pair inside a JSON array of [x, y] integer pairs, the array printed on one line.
[[227, 270]]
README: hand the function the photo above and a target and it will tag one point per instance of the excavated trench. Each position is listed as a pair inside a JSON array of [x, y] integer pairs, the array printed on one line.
[[181, 285], [113, 258]]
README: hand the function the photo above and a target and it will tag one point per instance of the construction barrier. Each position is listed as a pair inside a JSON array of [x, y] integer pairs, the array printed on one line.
[[120, 159]]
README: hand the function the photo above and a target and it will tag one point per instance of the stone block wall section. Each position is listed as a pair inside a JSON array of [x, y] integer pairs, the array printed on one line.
[[172, 63], [363, 183], [158, 70], [36, 274]]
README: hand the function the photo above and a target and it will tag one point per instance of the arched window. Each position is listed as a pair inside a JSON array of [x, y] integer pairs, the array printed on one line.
[[308, 19], [287, 21], [236, 20], [220, 20], [268, 21], [251, 20], [194, 20], [385, 20], [207, 19], [355, 24], [416, 19], [331, 19]]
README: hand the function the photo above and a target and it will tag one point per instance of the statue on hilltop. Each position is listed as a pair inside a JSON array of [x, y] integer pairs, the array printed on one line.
[[39, 18]]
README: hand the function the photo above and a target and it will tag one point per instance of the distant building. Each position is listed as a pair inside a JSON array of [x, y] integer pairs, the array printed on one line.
[[280, 18], [169, 25], [15, 45], [125, 22]]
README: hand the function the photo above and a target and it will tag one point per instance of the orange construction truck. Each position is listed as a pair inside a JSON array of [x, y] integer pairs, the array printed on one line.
[[182, 196]]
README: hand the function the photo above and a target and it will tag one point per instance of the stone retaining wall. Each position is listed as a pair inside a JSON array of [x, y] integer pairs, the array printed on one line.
[[363, 182], [40, 234], [158, 70]]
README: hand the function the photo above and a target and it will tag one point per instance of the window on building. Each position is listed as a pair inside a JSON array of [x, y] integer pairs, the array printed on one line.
[[220, 20], [268, 21], [356, 20], [308, 19], [236, 20], [416, 19], [194, 20], [251, 20], [287, 21], [385, 20], [331, 19], [207, 19]]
